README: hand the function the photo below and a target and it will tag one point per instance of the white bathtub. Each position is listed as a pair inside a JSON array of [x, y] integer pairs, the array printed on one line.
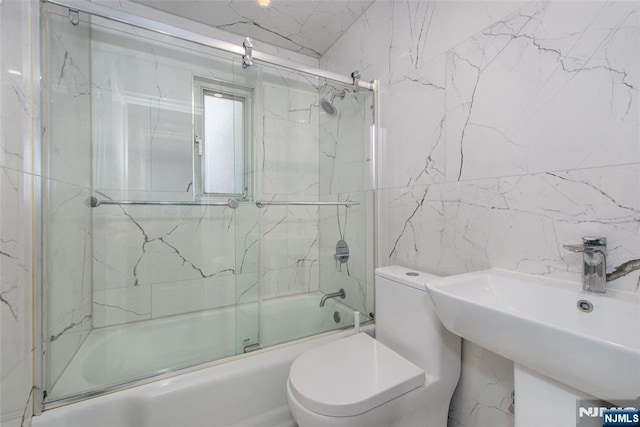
[[243, 390]]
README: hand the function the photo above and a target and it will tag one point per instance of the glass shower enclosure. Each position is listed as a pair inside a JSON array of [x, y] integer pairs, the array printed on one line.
[[193, 209]]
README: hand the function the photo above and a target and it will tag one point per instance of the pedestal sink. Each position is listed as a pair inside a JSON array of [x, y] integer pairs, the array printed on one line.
[[550, 328]]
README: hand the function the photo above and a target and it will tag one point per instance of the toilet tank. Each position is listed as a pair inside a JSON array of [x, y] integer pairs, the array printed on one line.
[[406, 322]]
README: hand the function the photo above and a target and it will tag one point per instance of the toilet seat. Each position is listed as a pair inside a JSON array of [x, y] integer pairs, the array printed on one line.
[[351, 376]]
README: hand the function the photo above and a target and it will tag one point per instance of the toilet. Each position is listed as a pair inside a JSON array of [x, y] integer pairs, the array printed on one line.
[[404, 377]]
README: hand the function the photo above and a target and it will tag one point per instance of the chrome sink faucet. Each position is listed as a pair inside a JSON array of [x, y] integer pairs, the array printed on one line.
[[341, 293], [594, 262]]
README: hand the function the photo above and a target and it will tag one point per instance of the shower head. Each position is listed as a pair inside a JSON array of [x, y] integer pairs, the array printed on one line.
[[328, 106]]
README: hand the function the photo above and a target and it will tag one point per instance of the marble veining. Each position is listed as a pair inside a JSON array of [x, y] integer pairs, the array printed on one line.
[[287, 24], [162, 239], [586, 61], [5, 299], [508, 130], [69, 327], [17, 23], [408, 224]]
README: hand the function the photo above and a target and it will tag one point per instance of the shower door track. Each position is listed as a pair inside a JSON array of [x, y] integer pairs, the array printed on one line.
[[94, 9]]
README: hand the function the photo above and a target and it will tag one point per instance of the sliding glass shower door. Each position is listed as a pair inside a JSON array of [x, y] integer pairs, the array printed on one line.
[[192, 207], [150, 261]]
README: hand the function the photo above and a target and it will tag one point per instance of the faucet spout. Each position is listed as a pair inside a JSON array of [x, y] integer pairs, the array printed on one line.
[[341, 293], [594, 263]]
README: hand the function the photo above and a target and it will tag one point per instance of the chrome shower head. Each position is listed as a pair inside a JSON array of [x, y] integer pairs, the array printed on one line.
[[328, 106]]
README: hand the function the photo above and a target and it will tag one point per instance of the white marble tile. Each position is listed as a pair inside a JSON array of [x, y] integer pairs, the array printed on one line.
[[221, 291], [141, 113], [247, 245], [422, 31], [16, 108], [15, 296], [518, 223], [66, 217], [247, 288], [16, 183], [121, 305], [284, 281], [532, 113], [67, 272], [67, 82], [344, 162], [290, 96], [168, 15], [17, 394], [483, 396], [508, 86], [177, 297], [365, 46], [277, 106], [152, 244], [67, 244], [288, 24], [61, 349], [289, 160], [348, 224], [418, 104], [289, 250]]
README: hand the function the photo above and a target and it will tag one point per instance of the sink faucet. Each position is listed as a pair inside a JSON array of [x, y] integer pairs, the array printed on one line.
[[594, 262], [341, 293]]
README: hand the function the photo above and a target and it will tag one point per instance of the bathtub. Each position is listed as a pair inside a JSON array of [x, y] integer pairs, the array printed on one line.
[[244, 390]]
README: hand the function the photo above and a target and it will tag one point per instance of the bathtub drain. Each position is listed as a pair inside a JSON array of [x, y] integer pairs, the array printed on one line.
[[336, 317]]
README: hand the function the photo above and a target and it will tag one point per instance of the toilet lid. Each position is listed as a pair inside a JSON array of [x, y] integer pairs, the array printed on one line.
[[351, 376]]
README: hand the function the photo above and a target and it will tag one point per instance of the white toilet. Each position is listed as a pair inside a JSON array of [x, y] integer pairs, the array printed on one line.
[[405, 377]]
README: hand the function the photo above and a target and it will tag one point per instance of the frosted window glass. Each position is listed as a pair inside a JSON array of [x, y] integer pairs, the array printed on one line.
[[223, 151]]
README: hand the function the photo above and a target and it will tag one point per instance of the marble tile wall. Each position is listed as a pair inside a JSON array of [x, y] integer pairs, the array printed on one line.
[[147, 262], [17, 115], [292, 25], [67, 219], [289, 171], [345, 174], [508, 130], [151, 262]]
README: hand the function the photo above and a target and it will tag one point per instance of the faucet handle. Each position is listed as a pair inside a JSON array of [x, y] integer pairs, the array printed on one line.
[[574, 248], [594, 241], [587, 242]]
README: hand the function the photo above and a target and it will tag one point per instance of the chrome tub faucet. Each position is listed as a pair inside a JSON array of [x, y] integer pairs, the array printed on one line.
[[594, 262], [341, 293]]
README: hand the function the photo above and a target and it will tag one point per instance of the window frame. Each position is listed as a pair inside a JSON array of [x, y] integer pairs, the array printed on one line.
[[201, 88]]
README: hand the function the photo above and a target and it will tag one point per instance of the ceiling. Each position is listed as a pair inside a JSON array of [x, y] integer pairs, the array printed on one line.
[[309, 27]]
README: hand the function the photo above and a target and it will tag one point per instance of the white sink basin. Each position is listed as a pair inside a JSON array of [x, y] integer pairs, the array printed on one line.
[[535, 322]]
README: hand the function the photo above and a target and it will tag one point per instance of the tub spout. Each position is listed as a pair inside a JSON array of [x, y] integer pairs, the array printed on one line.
[[341, 293]]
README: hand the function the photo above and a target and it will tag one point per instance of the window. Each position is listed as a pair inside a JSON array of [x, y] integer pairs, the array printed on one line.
[[222, 133]]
